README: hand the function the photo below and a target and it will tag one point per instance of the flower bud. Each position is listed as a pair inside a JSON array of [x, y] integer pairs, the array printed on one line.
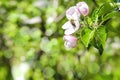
[[72, 13], [70, 41], [83, 8]]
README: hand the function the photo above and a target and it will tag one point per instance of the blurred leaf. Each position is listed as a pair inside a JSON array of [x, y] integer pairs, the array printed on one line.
[[3, 73], [31, 53], [93, 68], [1, 54], [37, 74], [48, 72], [35, 34]]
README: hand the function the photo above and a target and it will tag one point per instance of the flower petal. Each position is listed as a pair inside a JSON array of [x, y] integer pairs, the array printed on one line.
[[66, 25], [72, 13], [69, 45], [72, 28], [69, 38], [69, 31], [83, 8]]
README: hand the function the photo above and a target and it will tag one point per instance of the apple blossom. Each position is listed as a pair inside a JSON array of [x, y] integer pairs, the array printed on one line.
[[70, 41], [72, 13], [83, 8], [71, 26], [73, 23]]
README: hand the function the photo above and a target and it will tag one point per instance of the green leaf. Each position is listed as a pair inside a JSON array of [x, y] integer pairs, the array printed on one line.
[[110, 15], [106, 8], [97, 44], [100, 38], [87, 35], [89, 21], [102, 35], [95, 14]]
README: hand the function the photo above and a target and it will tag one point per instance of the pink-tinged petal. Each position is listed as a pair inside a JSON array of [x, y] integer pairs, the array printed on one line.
[[70, 45], [84, 11], [72, 13], [66, 44], [69, 38], [70, 41], [83, 8]]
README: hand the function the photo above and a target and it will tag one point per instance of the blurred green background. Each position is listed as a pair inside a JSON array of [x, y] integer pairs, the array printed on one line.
[[32, 46]]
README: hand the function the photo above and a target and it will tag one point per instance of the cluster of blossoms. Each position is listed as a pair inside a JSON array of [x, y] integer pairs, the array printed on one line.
[[73, 23]]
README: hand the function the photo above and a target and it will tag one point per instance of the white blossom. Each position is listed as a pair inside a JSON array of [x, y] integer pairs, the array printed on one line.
[[71, 27]]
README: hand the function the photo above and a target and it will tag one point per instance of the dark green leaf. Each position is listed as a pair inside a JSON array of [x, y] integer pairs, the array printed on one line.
[[106, 8], [110, 15], [86, 35], [100, 38], [95, 14], [97, 44], [101, 34]]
